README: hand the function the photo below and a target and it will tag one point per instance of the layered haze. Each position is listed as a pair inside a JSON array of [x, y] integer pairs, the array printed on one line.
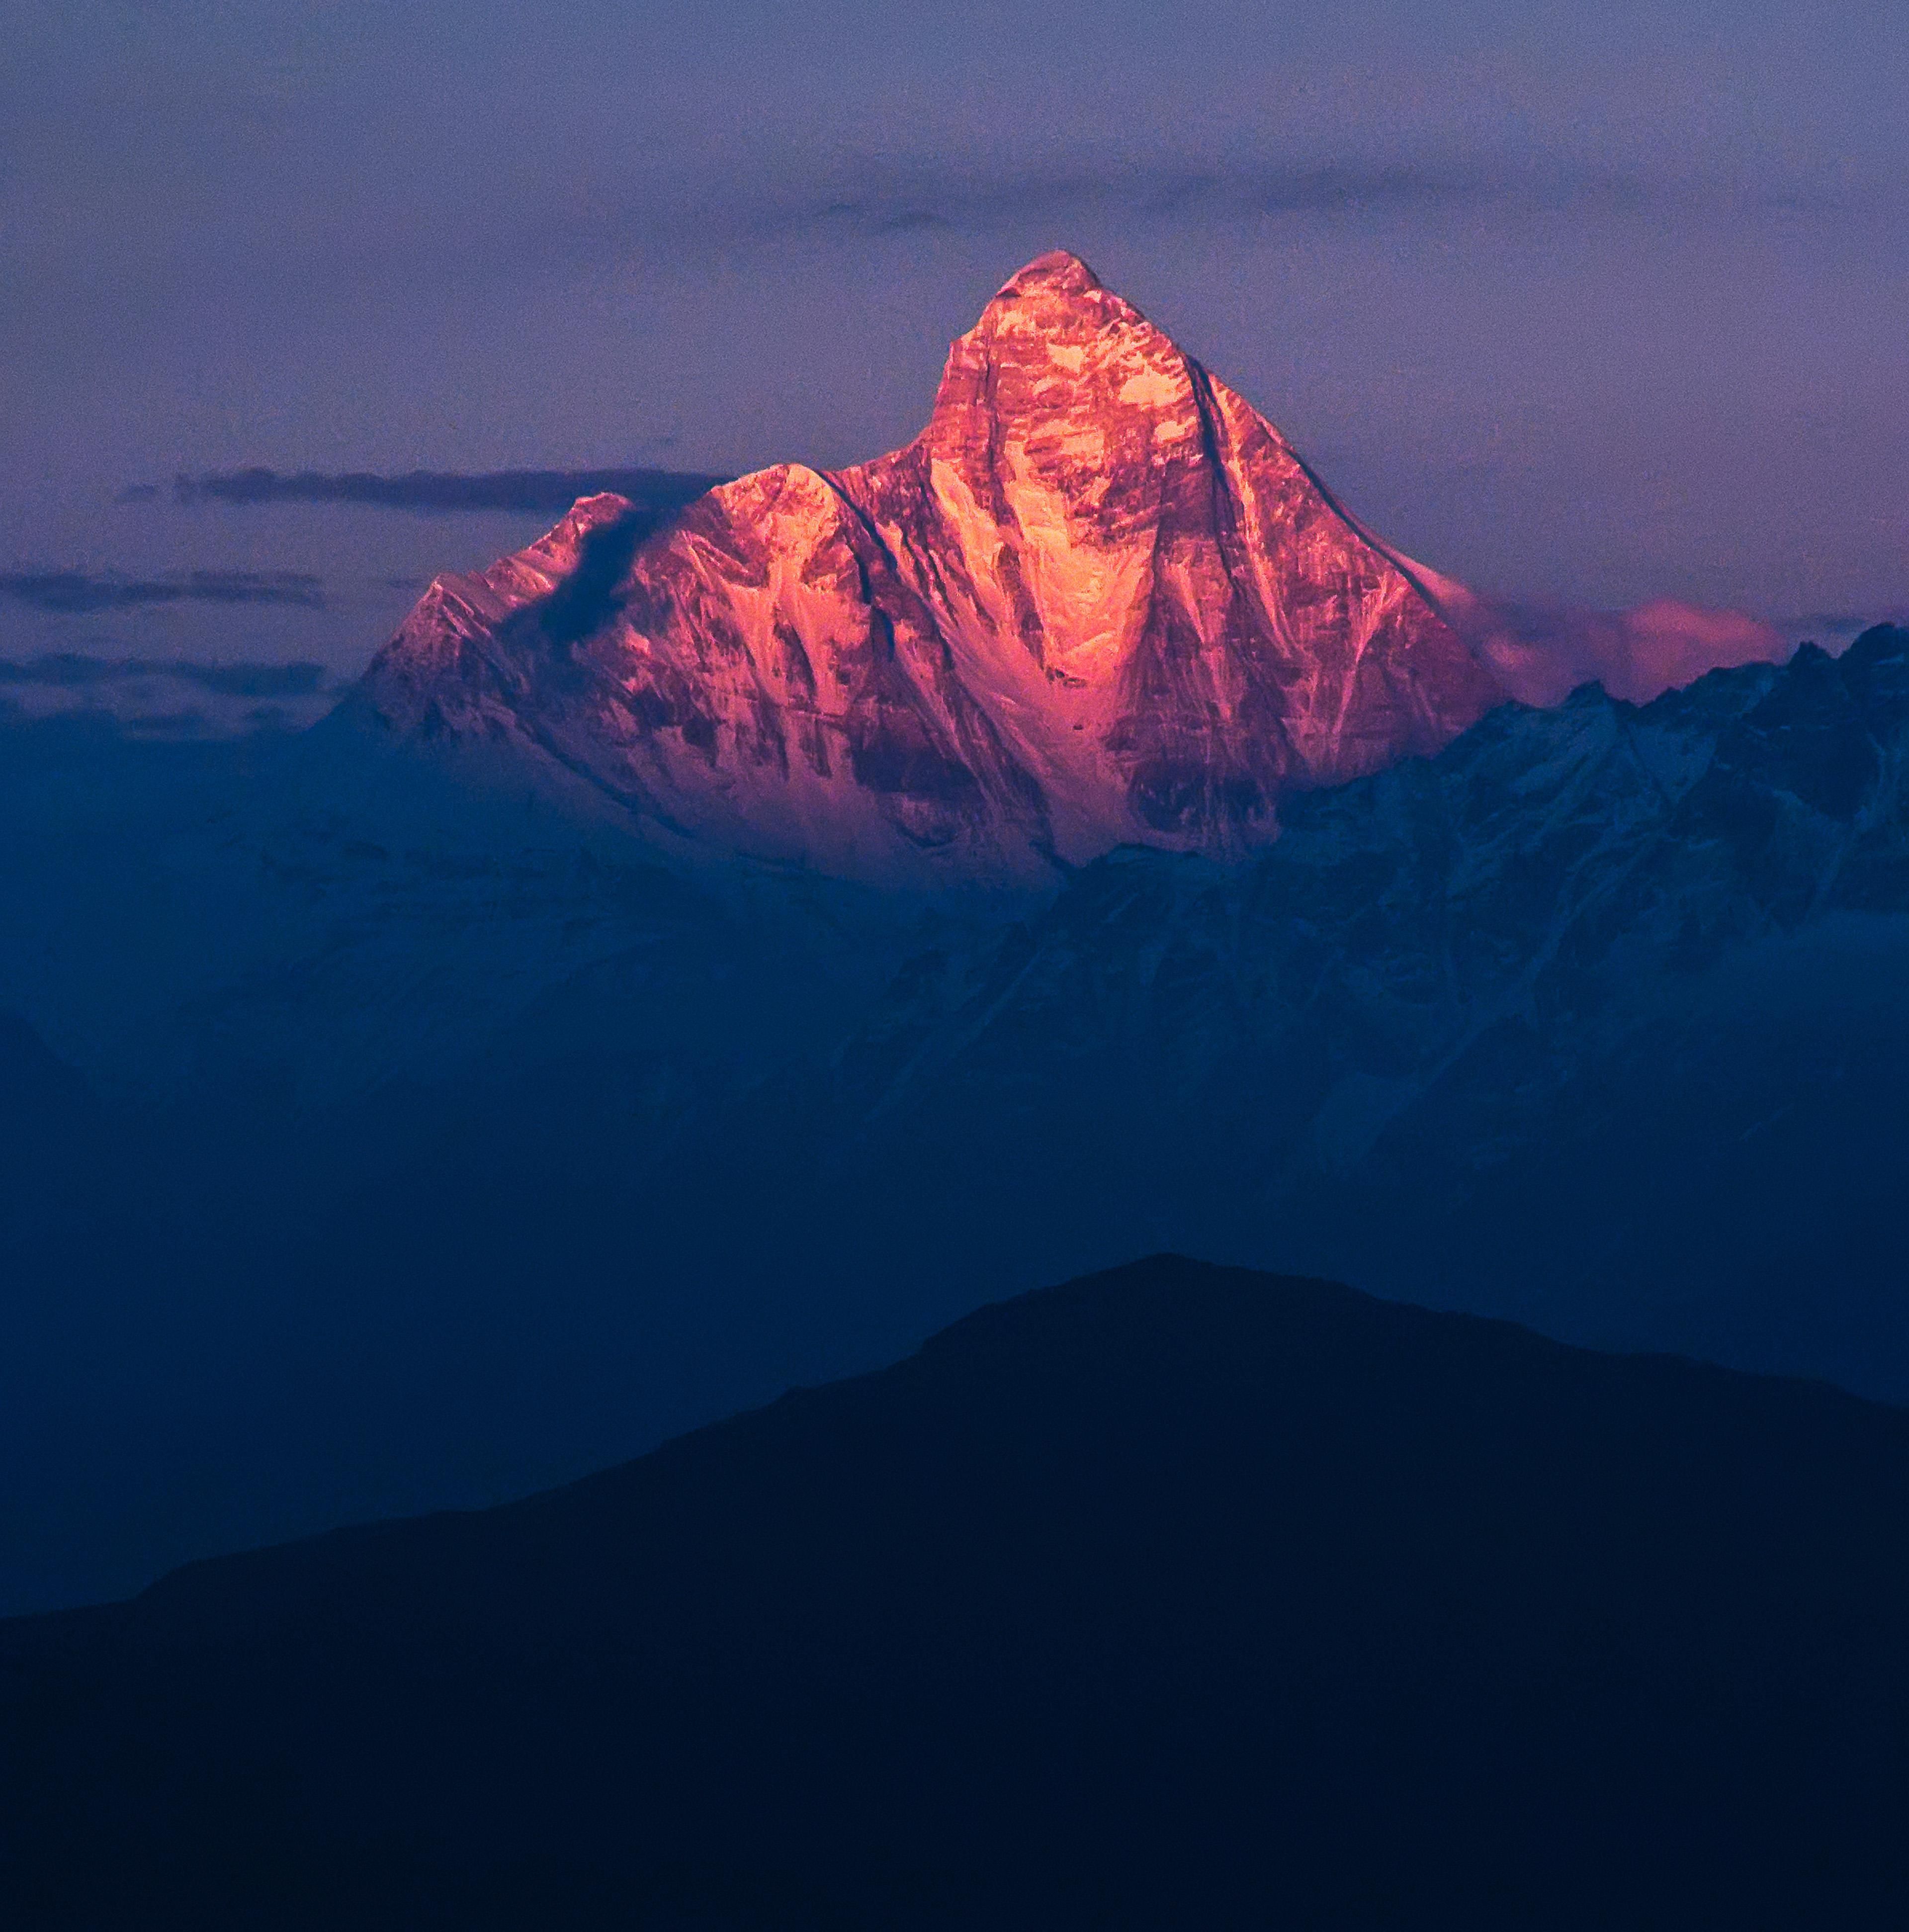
[[480, 991]]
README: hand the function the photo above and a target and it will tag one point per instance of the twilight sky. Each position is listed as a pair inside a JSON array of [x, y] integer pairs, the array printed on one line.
[[1593, 304]]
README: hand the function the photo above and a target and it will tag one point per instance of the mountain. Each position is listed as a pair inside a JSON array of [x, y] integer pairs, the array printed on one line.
[[1592, 1019], [1179, 1595], [1099, 600], [484, 1148]]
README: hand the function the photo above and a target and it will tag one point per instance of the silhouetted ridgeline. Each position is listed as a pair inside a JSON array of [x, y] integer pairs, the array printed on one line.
[[1176, 1596]]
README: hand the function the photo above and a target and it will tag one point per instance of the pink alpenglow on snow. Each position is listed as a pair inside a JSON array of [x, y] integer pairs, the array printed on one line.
[[1098, 600]]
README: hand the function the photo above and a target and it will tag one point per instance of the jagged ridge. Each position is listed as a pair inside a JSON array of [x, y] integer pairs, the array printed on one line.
[[1098, 600]]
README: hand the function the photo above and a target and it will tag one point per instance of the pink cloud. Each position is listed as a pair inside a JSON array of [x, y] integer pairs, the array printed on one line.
[[1542, 654]]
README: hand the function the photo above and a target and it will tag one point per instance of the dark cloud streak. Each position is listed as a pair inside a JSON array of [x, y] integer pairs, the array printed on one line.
[[655, 493], [884, 198], [76, 593], [69, 671]]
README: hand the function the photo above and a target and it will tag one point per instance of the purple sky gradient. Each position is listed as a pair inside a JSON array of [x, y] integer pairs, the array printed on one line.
[[1589, 305]]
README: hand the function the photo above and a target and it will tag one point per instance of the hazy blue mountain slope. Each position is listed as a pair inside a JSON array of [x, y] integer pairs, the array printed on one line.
[[1588, 1018], [330, 1075], [458, 1145]]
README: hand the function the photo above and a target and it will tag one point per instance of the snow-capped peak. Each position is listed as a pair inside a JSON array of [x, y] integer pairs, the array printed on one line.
[[1098, 600]]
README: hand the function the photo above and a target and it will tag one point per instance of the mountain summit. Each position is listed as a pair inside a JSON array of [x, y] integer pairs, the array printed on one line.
[[1099, 600]]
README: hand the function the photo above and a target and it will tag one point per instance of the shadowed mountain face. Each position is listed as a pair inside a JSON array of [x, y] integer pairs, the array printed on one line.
[[1593, 1019], [1176, 1596], [484, 1148], [1098, 600]]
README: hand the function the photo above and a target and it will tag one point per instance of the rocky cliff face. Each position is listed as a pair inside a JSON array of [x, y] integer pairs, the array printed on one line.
[[1098, 600]]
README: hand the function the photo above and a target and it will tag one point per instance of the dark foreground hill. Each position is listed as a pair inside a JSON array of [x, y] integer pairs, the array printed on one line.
[[1176, 1596]]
